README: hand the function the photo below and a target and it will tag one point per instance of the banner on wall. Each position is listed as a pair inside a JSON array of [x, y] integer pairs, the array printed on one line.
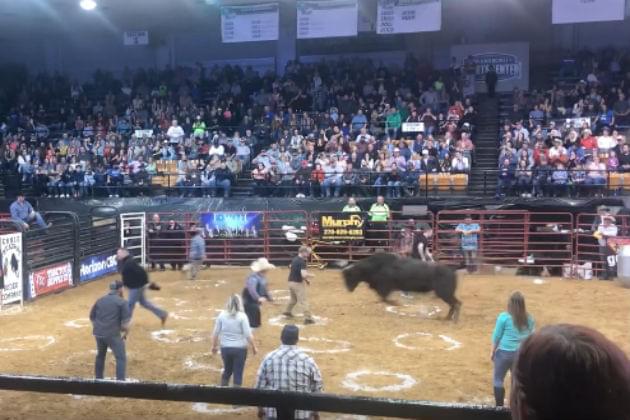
[[579, 11], [405, 16], [327, 18], [510, 60], [97, 266], [131, 38], [342, 226], [50, 279], [231, 225], [248, 23], [11, 270]]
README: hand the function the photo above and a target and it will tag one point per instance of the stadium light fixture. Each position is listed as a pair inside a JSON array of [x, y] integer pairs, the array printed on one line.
[[87, 4]]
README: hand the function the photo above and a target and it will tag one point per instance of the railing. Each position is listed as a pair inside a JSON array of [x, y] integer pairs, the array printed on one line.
[[284, 402]]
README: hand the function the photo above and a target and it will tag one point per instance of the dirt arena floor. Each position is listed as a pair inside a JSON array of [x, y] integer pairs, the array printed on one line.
[[362, 346]]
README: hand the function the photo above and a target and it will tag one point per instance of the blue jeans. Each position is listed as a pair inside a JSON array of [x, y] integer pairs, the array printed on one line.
[[35, 217], [329, 184], [503, 361], [138, 296], [117, 344], [393, 189], [233, 363]]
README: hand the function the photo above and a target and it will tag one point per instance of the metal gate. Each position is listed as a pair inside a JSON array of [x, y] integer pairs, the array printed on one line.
[[132, 235]]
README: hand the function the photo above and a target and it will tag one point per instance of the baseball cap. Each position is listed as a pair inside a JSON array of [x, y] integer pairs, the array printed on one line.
[[116, 285]]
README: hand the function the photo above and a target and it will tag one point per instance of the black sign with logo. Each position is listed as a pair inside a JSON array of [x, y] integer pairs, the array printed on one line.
[[342, 226]]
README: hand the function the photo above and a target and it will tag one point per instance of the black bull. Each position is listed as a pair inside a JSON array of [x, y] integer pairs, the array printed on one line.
[[385, 273]]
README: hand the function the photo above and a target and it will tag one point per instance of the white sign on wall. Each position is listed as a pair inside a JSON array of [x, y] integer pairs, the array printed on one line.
[[578, 11], [250, 23], [327, 18], [11, 258], [510, 60], [131, 38], [405, 16]]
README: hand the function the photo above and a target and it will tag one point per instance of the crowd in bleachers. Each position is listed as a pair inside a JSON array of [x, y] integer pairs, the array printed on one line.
[[322, 128], [571, 139]]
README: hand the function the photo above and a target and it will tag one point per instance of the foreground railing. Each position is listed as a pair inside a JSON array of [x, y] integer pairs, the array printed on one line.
[[284, 402]]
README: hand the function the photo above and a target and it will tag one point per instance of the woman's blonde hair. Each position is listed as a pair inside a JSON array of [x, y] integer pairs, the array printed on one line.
[[234, 305], [516, 308]]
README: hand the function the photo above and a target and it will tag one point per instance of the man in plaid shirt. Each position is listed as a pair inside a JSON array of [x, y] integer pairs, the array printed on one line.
[[289, 368]]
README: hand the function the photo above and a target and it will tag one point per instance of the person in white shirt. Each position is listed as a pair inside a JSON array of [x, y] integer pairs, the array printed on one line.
[[175, 133], [232, 333], [605, 142], [216, 149]]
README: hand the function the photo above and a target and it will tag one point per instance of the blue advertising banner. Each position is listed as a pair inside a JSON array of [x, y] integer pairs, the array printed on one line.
[[231, 225], [97, 266]]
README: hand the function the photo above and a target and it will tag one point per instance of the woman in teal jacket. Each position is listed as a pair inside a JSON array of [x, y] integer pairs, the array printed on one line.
[[511, 329]]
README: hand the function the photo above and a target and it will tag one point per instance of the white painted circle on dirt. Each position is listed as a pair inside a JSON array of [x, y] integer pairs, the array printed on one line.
[[192, 314], [415, 311], [193, 363], [452, 343], [29, 342], [351, 381], [281, 320], [77, 323], [174, 336], [204, 408], [340, 346], [176, 301], [539, 281], [280, 294]]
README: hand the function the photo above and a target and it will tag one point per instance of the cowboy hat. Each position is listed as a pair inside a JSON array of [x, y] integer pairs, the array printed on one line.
[[261, 264]]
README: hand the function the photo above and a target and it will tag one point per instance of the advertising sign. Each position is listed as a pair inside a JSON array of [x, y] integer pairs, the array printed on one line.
[[231, 225], [510, 61], [11, 270], [50, 279], [132, 38], [342, 226], [97, 266]]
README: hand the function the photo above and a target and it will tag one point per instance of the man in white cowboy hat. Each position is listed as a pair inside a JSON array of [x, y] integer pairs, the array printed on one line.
[[255, 291]]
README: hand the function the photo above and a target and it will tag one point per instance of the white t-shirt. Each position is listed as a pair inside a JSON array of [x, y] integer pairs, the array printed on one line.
[[605, 142], [216, 150], [608, 231], [175, 134]]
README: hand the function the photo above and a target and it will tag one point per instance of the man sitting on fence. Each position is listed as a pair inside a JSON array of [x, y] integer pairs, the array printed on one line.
[[23, 213]]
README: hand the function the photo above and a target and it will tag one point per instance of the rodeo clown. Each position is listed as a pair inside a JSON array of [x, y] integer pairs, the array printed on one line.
[[415, 244]]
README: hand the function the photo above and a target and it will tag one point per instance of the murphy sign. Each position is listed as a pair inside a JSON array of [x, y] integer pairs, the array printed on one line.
[[341, 226]]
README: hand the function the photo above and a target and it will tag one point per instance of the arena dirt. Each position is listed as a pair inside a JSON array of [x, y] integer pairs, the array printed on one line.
[[462, 374]]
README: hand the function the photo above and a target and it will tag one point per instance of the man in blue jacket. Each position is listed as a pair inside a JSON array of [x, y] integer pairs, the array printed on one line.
[[23, 213]]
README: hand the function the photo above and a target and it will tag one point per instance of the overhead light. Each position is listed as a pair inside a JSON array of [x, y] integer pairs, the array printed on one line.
[[87, 4]]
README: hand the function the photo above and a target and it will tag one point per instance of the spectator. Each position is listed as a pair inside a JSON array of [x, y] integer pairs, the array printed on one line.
[[288, 369], [570, 372], [511, 328], [352, 206], [232, 333], [469, 232], [175, 134], [22, 213], [505, 178]]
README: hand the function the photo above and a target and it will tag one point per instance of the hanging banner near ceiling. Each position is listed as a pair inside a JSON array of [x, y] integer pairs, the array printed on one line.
[[405, 16], [327, 18], [510, 60], [578, 11], [132, 38], [250, 23]]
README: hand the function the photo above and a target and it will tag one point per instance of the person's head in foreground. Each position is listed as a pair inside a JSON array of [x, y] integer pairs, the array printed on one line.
[[570, 372], [290, 335]]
